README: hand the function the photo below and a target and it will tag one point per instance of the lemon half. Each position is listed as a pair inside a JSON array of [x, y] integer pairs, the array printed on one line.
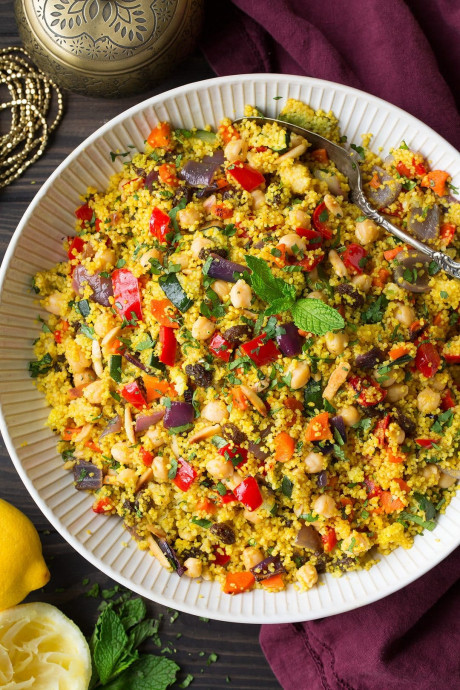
[[42, 649]]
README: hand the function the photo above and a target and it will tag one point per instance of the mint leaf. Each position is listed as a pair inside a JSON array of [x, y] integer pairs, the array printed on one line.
[[148, 673], [266, 286], [110, 643], [410, 517], [316, 317], [278, 305], [131, 612], [142, 631]]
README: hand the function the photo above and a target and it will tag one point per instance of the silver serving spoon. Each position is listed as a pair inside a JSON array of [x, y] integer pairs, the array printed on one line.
[[348, 164]]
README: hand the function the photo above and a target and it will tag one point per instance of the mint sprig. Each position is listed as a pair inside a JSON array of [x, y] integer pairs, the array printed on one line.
[[310, 315]]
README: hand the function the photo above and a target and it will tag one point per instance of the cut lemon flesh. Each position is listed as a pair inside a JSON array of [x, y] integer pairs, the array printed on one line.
[[42, 649]]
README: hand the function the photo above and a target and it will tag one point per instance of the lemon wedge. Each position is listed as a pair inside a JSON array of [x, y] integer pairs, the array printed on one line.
[[42, 649]]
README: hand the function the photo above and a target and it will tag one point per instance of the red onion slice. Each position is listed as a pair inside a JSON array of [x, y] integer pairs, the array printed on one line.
[[179, 414], [101, 287], [113, 427], [145, 421], [200, 173]]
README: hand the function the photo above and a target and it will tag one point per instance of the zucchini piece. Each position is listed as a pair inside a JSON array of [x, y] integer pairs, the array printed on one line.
[[174, 291], [115, 368], [283, 145], [204, 135]]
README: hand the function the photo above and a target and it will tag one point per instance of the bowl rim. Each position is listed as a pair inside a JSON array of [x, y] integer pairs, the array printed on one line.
[[194, 609]]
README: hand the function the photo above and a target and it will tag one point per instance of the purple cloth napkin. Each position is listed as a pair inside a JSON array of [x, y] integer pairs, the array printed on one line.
[[405, 52], [409, 54]]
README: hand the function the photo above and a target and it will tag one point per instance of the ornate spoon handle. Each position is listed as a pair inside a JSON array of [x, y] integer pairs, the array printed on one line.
[[443, 260]]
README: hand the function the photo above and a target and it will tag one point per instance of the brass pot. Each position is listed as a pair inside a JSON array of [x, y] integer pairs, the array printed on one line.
[[108, 47]]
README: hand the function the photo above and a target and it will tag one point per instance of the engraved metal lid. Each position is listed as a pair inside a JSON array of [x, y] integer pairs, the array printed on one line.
[[108, 47]]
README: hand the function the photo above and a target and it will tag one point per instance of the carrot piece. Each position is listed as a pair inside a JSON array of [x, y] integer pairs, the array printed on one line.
[[227, 133], [160, 136], [164, 312], [69, 432], [274, 583], [238, 398], [396, 458], [222, 183], [280, 260], [390, 504], [439, 319], [320, 155], [156, 388], [293, 404], [381, 278], [167, 174], [390, 254], [404, 486], [207, 506], [93, 446], [284, 447], [436, 180], [318, 428], [221, 211], [447, 233], [114, 347], [398, 352], [235, 583], [375, 182]]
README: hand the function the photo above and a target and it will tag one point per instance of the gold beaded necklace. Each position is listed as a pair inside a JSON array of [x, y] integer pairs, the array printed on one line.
[[32, 95]]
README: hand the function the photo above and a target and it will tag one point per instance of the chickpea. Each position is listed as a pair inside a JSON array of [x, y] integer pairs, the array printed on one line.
[[160, 469], [315, 462], [446, 481], [336, 342], [337, 264], [300, 374], [299, 218], [241, 295], [215, 411], [120, 452], [307, 575], [366, 231], [155, 437], [105, 259], [428, 400], [127, 475], [258, 199], [83, 378], [236, 150], [251, 557], [333, 205], [396, 434], [356, 543], [362, 282], [103, 324], [405, 315], [222, 289], [396, 392], [294, 243], [316, 294], [389, 381], [438, 382], [94, 392], [203, 328], [180, 258], [76, 358], [253, 516], [198, 244], [220, 468], [56, 304], [350, 415], [188, 217], [432, 473], [193, 567], [325, 505], [151, 254]]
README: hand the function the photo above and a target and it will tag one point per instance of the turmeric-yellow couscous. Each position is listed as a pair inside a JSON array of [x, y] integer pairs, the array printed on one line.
[[257, 379]]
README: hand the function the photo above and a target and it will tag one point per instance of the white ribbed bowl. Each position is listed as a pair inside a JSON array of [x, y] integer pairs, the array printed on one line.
[[37, 245]]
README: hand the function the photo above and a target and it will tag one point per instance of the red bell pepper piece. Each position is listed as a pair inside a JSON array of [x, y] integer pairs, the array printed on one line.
[[220, 347], [447, 400], [227, 498], [452, 359], [380, 428], [319, 218], [419, 168], [309, 234], [261, 353], [329, 539], [76, 246], [126, 294], [372, 488], [425, 442], [248, 493], [370, 393], [447, 233], [308, 263], [185, 475], [169, 346], [221, 557], [236, 454], [160, 225], [84, 213], [135, 393], [103, 505], [146, 456], [246, 176], [403, 169], [427, 359], [354, 258]]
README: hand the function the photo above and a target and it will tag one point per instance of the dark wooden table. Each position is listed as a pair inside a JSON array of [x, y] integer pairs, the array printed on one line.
[[239, 655]]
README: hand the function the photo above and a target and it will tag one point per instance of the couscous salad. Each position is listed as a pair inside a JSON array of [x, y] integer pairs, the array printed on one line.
[[254, 377]]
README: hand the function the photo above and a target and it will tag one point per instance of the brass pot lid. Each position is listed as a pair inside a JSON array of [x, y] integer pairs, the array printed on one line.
[[104, 36]]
